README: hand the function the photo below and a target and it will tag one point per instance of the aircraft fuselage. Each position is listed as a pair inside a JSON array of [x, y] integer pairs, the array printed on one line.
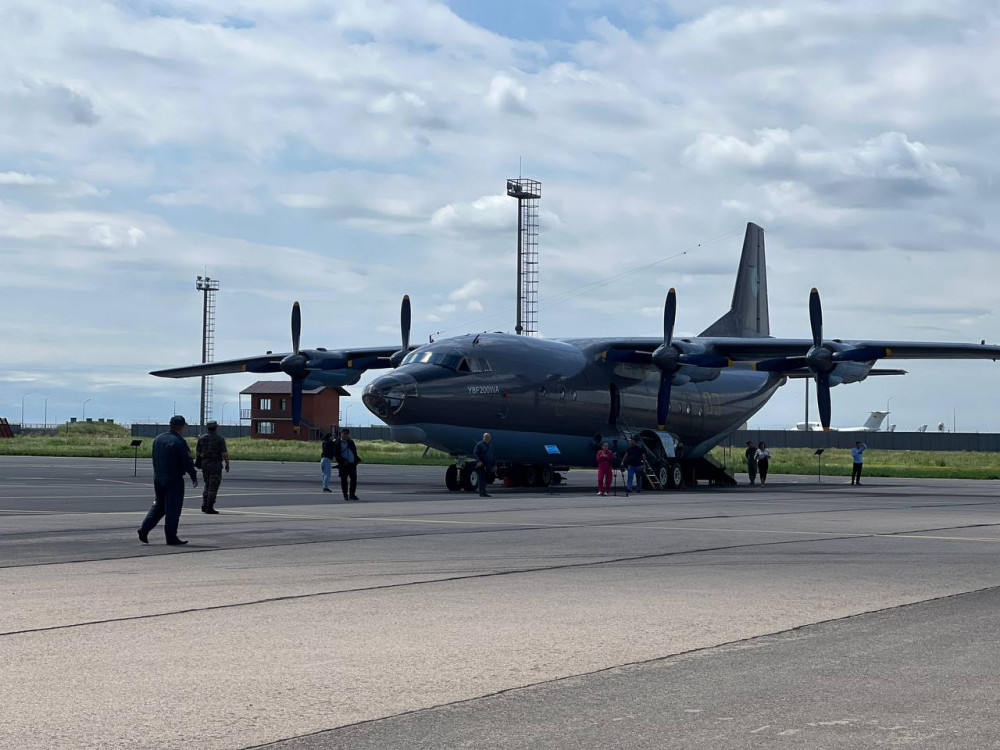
[[532, 393]]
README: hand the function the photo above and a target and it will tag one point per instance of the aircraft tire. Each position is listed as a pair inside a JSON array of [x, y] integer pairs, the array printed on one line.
[[529, 475], [664, 476], [468, 478], [676, 476], [451, 479], [544, 476]]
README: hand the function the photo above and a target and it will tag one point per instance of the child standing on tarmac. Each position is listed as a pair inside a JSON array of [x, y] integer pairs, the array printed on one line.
[[604, 458]]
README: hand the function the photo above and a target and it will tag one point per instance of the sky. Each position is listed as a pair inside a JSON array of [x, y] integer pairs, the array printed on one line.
[[343, 154]]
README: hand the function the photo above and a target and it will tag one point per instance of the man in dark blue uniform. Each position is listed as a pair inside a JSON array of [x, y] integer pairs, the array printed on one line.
[[483, 454], [171, 461]]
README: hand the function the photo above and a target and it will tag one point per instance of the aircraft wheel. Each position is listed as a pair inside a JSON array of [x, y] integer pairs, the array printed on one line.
[[469, 479], [544, 476], [676, 478], [530, 475], [664, 476], [451, 479]]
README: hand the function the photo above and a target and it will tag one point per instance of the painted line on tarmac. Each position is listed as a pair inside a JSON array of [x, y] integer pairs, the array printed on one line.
[[645, 525]]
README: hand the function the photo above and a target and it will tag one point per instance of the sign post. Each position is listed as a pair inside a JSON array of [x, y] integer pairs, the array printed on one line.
[[136, 444], [819, 464]]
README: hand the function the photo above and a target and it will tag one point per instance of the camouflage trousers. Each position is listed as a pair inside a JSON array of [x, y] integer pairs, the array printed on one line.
[[213, 478]]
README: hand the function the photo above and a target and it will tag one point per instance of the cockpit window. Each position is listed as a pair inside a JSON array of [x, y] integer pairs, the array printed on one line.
[[454, 362], [451, 361]]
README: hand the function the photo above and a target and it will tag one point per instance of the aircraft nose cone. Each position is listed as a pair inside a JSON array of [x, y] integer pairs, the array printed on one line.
[[386, 395]]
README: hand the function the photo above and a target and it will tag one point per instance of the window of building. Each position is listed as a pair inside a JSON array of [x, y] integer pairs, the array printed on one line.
[[264, 404], [282, 404], [265, 428]]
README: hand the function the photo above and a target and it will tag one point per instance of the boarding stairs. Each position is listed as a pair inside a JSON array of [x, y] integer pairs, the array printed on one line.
[[708, 469], [626, 430]]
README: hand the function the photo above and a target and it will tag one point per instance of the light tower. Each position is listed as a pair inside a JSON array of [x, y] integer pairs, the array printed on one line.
[[528, 192], [209, 287]]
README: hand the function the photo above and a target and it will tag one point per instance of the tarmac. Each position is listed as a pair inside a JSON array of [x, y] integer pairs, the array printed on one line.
[[803, 614]]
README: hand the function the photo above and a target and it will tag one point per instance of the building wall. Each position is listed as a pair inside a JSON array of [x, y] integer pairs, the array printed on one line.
[[319, 412]]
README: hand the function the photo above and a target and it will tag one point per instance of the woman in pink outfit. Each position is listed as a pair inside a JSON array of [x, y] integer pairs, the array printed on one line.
[[604, 458]]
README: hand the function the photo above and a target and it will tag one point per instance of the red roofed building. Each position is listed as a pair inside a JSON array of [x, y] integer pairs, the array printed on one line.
[[270, 411]]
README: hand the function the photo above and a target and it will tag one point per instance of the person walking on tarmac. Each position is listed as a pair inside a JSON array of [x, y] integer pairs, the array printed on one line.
[[171, 461], [326, 461], [604, 471], [345, 452], [858, 454], [483, 455], [210, 455], [633, 460], [763, 456], [751, 456]]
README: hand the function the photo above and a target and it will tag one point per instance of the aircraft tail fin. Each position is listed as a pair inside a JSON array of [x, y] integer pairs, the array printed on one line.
[[875, 419], [747, 317]]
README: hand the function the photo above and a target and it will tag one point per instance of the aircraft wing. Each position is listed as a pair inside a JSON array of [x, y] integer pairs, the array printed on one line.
[[753, 349], [358, 360]]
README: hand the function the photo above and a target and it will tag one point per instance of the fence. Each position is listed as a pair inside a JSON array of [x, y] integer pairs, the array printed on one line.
[[238, 431], [979, 442]]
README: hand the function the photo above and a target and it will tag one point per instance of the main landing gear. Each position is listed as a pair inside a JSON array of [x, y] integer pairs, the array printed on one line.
[[463, 477]]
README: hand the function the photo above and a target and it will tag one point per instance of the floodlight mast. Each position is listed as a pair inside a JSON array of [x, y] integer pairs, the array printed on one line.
[[528, 192], [209, 287]]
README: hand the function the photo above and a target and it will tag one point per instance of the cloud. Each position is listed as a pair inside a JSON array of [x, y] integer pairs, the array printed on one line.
[[508, 96]]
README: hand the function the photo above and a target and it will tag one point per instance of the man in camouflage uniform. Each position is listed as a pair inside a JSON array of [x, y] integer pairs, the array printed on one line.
[[211, 454]]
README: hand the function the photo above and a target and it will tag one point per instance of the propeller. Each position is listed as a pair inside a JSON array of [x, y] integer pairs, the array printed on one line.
[[671, 355], [666, 357], [404, 327], [296, 366], [822, 359]]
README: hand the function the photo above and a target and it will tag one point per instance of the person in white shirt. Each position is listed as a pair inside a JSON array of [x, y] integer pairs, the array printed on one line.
[[763, 456], [858, 454]]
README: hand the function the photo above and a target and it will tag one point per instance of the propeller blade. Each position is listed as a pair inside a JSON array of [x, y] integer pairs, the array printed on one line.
[[663, 399], [823, 397], [669, 316], [816, 318], [404, 321], [296, 326], [296, 401]]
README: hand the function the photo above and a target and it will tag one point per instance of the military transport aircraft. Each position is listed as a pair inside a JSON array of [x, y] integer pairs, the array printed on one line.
[[550, 403]]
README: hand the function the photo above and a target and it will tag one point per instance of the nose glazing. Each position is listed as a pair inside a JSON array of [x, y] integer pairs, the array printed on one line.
[[386, 395]]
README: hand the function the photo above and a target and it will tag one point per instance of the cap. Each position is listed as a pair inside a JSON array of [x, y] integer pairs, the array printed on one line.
[[177, 421], [211, 424], [344, 430]]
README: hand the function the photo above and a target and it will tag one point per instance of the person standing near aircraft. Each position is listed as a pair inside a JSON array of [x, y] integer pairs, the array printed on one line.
[[345, 452], [485, 463], [751, 456], [858, 454], [763, 458], [171, 461], [633, 460], [326, 461], [210, 454], [604, 459]]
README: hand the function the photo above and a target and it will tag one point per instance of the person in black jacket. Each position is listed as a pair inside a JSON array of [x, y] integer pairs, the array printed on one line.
[[483, 454], [751, 456], [633, 460], [326, 461], [171, 461], [345, 452]]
